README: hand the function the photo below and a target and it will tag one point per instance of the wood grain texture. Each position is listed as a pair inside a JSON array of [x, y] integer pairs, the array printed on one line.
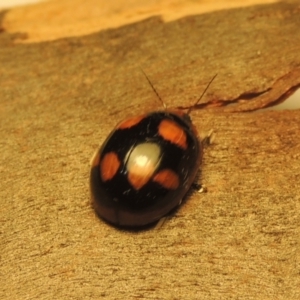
[[60, 99]]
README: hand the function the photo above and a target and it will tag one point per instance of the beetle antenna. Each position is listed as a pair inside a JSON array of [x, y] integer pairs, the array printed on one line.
[[199, 99], [155, 91]]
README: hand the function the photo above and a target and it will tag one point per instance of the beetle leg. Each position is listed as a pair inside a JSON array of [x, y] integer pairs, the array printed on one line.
[[160, 223], [208, 139], [199, 187]]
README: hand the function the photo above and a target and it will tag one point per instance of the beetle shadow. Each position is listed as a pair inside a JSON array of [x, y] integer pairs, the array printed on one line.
[[131, 229]]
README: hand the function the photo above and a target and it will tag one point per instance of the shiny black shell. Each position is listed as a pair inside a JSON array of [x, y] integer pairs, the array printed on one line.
[[144, 168]]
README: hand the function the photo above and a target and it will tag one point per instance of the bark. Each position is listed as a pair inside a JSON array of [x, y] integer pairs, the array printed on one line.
[[59, 100]]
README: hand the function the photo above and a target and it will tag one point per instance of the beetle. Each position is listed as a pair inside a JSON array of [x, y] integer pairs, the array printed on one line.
[[146, 166]]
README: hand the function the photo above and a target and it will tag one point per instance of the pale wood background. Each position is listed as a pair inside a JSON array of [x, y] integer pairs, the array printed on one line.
[[59, 99]]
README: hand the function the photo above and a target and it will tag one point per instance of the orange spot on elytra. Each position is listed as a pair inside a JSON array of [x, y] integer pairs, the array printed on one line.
[[139, 175], [109, 166], [168, 179], [137, 180], [173, 133], [130, 122]]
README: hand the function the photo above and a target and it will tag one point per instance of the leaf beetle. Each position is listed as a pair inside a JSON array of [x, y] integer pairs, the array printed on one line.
[[145, 166]]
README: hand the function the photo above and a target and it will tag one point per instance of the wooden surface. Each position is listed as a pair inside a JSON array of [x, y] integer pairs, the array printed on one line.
[[50, 20], [58, 101]]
